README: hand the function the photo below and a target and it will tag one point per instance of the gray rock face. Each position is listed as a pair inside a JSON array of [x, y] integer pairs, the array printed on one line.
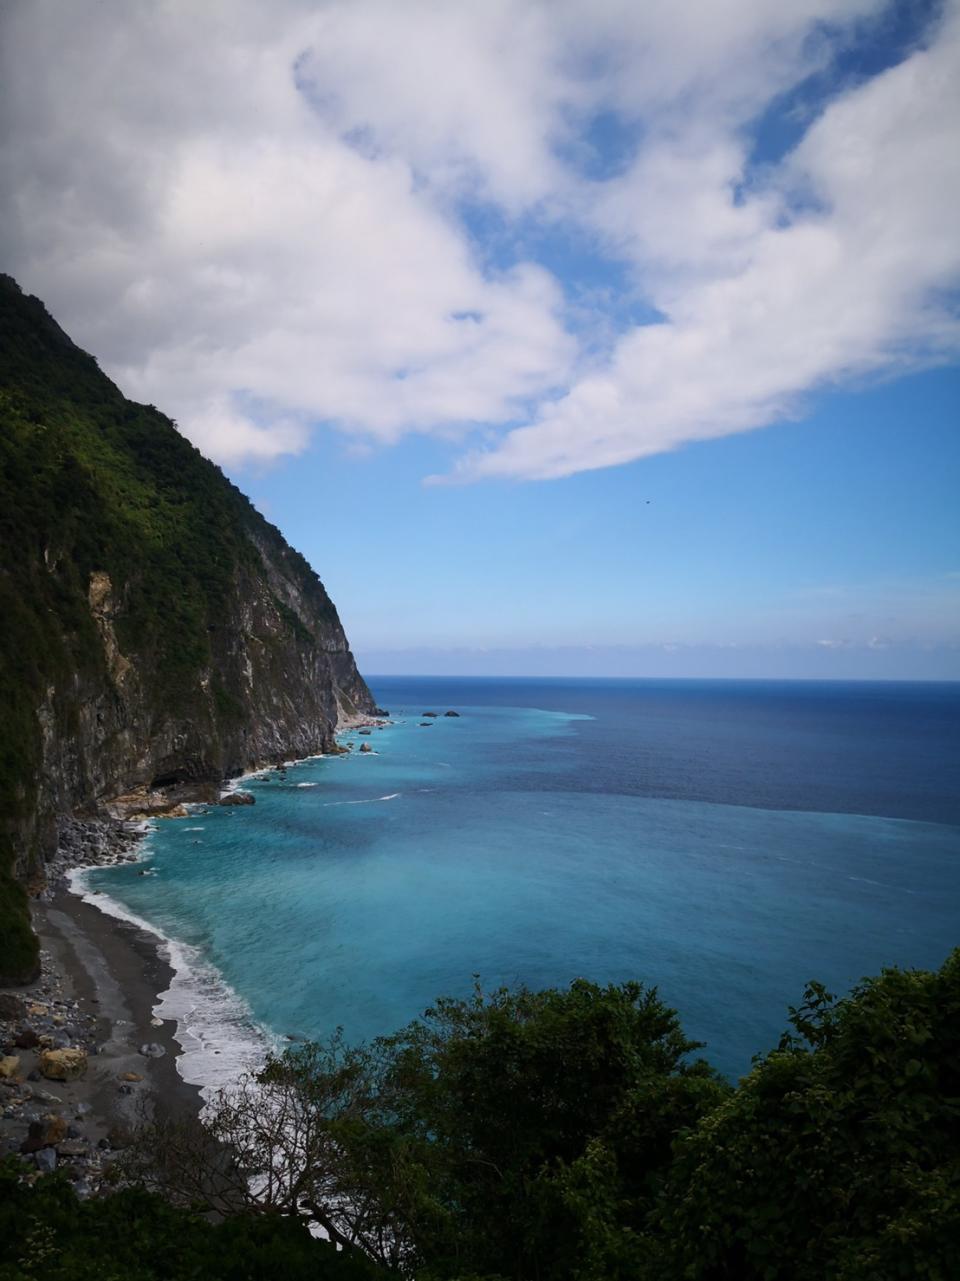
[[136, 706], [284, 662]]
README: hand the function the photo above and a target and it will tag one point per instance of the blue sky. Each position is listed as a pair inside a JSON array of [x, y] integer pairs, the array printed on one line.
[[824, 547], [563, 338]]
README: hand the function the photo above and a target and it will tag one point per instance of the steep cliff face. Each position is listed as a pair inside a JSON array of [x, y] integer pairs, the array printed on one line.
[[154, 628]]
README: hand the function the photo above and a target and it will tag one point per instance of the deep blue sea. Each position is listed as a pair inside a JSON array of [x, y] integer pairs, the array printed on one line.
[[727, 841]]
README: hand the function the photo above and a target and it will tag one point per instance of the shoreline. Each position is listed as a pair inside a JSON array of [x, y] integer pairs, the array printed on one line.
[[97, 992], [117, 968], [112, 984], [216, 1035]]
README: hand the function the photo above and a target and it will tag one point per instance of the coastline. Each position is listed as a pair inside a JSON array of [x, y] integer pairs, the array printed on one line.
[[117, 971], [215, 1033], [97, 991], [113, 984]]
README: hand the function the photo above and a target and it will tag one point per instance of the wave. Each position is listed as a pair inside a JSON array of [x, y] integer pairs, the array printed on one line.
[[367, 800], [249, 776], [216, 1030], [884, 885]]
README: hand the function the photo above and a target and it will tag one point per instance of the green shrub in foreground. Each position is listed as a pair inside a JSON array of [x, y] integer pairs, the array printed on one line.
[[566, 1136], [838, 1157], [46, 1232]]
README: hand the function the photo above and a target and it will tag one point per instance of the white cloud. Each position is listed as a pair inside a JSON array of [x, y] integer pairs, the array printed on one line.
[[764, 302], [252, 215], [191, 218]]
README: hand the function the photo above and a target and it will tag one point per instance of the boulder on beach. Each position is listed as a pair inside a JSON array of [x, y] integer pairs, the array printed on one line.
[[54, 1130], [152, 1051], [73, 1147], [365, 747], [9, 1066], [34, 1140], [42, 1096], [238, 798], [63, 1065], [119, 1136], [12, 1008], [451, 713]]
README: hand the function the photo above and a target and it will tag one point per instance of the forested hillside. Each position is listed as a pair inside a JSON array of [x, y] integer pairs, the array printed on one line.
[[155, 628]]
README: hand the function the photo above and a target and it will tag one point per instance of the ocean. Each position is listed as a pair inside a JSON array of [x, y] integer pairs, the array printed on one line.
[[726, 841]]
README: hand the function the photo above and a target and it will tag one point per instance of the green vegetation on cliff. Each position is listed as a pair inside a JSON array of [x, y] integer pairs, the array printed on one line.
[[92, 484]]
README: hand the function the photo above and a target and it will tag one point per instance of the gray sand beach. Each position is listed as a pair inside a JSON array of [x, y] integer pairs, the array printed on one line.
[[100, 982]]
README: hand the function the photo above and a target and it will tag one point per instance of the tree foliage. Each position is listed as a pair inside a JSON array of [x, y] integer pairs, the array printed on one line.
[[510, 1107], [466, 1143], [571, 1135], [560, 1136], [48, 1234], [839, 1155]]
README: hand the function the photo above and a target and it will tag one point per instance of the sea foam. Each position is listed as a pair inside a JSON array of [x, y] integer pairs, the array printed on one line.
[[216, 1031]]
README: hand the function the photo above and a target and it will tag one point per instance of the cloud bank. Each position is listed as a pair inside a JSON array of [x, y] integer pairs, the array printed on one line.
[[265, 218]]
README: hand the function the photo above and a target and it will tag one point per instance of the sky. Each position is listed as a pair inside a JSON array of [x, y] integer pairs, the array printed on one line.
[[563, 337]]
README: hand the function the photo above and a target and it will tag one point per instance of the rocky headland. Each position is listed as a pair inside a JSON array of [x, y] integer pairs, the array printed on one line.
[[159, 636], [159, 639]]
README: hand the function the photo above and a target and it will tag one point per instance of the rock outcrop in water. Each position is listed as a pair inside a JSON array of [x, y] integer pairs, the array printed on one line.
[[157, 632]]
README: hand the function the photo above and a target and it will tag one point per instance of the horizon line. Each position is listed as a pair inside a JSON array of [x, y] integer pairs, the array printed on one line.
[[781, 680]]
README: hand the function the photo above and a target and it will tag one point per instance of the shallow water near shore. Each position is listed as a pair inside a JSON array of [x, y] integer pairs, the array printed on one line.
[[726, 841]]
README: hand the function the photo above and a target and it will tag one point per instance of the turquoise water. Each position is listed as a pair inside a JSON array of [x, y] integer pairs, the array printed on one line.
[[359, 888]]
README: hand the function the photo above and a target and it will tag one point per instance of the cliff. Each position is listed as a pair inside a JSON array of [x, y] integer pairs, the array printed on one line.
[[155, 630]]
